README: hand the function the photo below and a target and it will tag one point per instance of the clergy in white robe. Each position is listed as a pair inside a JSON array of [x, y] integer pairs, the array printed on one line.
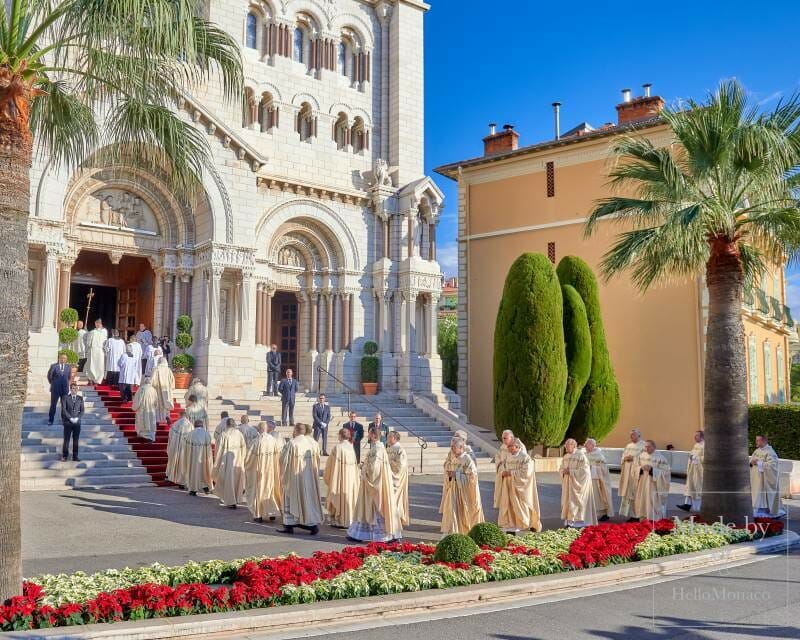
[[577, 498], [145, 404], [79, 344], [137, 353], [223, 423], [129, 369], [467, 448], [199, 391], [398, 461], [113, 348], [176, 451], [302, 502], [506, 438], [693, 493], [342, 477], [163, 382], [249, 432], [198, 460], [263, 476], [461, 506], [629, 473], [95, 368], [196, 411], [516, 490], [229, 475], [652, 489], [376, 518], [272, 430], [764, 480], [153, 355], [601, 481]]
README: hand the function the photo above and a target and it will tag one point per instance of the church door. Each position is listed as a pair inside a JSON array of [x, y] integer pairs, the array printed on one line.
[[287, 335], [126, 310]]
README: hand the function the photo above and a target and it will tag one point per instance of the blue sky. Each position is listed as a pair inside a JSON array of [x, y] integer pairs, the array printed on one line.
[[507, 61]]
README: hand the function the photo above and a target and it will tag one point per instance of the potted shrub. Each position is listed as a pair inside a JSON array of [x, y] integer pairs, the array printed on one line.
[[72, 358], [369, 369], [183, 363]]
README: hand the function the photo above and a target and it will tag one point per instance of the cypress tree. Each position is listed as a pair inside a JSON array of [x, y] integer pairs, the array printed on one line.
[[578, 343], [530, 364], [598, 407]]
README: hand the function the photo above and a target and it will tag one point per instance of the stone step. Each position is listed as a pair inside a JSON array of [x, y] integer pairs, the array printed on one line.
[[77, 472], [85, 455], [44, 448], [116, 440], [85, 463], [90, 482]]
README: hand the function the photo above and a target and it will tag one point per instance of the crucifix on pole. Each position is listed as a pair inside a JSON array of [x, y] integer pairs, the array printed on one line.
[[89, 297]]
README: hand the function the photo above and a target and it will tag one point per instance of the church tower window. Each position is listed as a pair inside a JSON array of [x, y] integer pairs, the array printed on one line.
[[299, 44], [251, 31]]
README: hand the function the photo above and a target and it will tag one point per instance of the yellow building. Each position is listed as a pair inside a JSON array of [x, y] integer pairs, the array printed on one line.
[[537, 198]]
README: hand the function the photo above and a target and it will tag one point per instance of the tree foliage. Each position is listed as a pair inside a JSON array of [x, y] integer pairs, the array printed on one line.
[[578, 346], [448, 351]]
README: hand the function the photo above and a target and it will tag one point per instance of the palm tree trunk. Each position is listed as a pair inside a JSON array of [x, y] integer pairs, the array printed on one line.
[[726, 477], [15, 163]]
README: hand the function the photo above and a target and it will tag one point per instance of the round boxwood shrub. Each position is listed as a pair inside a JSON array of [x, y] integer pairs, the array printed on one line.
[[598, 407], [68, 316], [184, 324], [456, 547], [370, 348], [183, 362], [183, 340], [369, 369], [578, 344], [72, 357], [67, 335], [530, 363], [488, 534]]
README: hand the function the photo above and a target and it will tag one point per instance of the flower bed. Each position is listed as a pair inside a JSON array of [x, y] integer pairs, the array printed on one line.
[[373, 569]]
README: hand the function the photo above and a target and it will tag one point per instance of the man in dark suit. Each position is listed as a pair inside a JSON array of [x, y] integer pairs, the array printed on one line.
[[321, 413], [288, 390], [71, 413], [381, 426], [356, 430], [273, 370], [58, 376]]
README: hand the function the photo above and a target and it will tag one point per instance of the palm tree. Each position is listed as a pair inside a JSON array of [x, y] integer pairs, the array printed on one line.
[[87, 79], [716, 203]]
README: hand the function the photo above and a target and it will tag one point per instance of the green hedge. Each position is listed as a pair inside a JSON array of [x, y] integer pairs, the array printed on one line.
[[780, 423], [488, 534], [456, 547], [578, 344], [369, 369]]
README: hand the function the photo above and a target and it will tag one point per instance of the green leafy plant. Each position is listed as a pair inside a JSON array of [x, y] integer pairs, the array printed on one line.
[[184, 324], [67, 335], [578, 345], [72, 357], [780, 423], [370, 363], [456, 547], [68, 316], [183, 363], [183, 340], [447, 344], [488, 534], [370, 348]]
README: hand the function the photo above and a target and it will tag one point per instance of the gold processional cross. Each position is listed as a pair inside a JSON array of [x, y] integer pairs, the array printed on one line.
[[89, 297]]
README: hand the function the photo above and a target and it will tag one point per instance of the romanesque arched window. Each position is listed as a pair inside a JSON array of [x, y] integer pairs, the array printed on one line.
[[306, 123], [341, 131], [249, 108], [342, 60], [251, 31], [358, 135], [298, 52], [267, 112]]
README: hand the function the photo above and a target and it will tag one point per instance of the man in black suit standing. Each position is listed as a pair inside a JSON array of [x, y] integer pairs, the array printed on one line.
[[71, 414], [321, 413], [58, 376], [273, 370], [381, 426], [288, 390], [356, 430]]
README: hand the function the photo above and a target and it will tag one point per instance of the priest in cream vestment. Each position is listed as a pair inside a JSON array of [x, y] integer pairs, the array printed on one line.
[[629, 473], [398, 461], [693, 493], [229, 476], [163, 382], [198, 460], [145, 404], [652, 489], [577, 497], [342, 477], [302, 502], [764, 480], [249, 432], [515, 490], [199, 391], [263, 473], [506, 439], [461, 506], [176, 453], [196, 411], [95, 367], [376, 518], [601, 481]]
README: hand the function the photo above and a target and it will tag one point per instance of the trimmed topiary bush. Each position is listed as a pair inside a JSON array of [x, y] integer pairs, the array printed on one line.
[[183, 340], [488, 534], [183, 363], [67, 335], [578, 345], [184, 324], [780, 423], [370, 348], [456, 547], [369, 369], [72, 357], [68, 316], [530, 364], [599, 404]]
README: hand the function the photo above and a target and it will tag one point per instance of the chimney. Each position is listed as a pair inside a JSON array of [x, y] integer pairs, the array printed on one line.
[[557, 119], [632, 110], [506, 140]]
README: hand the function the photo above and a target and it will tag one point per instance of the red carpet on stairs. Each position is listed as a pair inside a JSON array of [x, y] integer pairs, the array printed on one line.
[[153, 455]]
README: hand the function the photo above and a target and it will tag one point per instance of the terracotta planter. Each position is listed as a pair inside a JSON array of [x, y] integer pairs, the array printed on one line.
[[182, 380], [370, 388]]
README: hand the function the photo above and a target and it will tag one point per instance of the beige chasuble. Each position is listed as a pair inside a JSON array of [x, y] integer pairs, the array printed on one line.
[[263, 477], [302, 503], [176, 458], [199, 391], [376, 517], [249, 432], [694, 473], [198, 460], [342, 477], [517, 495], [461, 506], [95, 367], [764, 482], [652, 489], [163, 382], [145, 404], [195, 412], [601, 483], [577, 498], [398, 461], [229, 477], [629, 477]]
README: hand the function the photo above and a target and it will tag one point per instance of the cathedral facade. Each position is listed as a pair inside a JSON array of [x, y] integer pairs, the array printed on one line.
[[315, 228]]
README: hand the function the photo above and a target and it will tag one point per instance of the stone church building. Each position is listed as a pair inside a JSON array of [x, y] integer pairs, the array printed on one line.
[[315, 229]]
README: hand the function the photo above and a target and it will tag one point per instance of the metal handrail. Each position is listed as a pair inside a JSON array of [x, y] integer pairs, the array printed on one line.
[[421, 441]]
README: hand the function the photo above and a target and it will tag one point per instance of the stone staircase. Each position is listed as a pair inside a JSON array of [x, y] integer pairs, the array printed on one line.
[[401, 416], [106, 459]]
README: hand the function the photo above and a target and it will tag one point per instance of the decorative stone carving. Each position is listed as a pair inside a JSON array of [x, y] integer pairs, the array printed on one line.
[[119, 210], [381, 173], [290, 257]]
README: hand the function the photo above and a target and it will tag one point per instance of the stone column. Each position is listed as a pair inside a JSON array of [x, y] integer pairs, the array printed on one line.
[[398, 330], [248, 310], [384, 12], [347, 337], [411, 321], [410, 231], [329, 321], [312, 346], [63, 287], [431, 241], [385, 229], [213, 314], [168, 298], [238, 312], [433, 324], [267, 328], [158, 298], [49, 311], [202, 329]]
